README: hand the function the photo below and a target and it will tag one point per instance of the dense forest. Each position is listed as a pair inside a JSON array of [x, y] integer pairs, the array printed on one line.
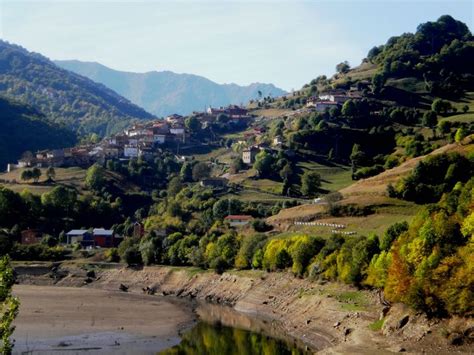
[[23, 128], [65, 97]]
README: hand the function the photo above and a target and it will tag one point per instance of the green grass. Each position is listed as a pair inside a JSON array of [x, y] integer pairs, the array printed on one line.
[[467, 117], [377, 325], [70, 177], [333, 178], [352, 300]]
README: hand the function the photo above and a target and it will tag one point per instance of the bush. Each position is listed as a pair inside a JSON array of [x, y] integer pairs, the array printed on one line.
[[261, 226], [132, 256], [112, 255], [283, 259], [248, 248], [366, 172], [37, 252]]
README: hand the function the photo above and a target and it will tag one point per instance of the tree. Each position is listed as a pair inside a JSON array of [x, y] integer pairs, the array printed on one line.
[[430, 119], [222, 118], [461, 133], [237, 165], [186, 172], [263, 163], [36, 174], [50, 173], [201, 171], [343, 67], [9, 305], [310, 183], [378, 82], [357, 157], [192, 124], [95, 177], [444, 127], [349, 108], [286, 172], [26, 175], [441, 106], [174, 186]]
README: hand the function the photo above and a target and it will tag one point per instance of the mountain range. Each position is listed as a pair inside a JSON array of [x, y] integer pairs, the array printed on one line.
[[163, 93], [64, 97]]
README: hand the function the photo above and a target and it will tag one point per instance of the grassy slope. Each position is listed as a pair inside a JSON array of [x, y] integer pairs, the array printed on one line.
[[366, 192], [69, 177]]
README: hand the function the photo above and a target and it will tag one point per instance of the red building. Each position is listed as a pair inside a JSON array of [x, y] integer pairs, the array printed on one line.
[[103, 238], [31, 236]]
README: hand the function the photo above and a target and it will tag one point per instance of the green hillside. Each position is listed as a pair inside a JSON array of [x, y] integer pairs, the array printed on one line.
[[63, 96], [23, 128]]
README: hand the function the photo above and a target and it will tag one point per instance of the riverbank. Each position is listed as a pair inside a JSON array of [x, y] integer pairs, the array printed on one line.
[[68, 319], [329, 318]]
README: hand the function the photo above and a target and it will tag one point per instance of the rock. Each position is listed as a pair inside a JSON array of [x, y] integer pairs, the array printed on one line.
[[402, 322], [337, 324], [90, 273], [308, 321], [384, 312], [123, 288], [469, 334], [455, 338], [347, 331]]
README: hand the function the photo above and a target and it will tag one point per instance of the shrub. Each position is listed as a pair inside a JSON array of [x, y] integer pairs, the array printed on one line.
[[261, 226], [112, 255]]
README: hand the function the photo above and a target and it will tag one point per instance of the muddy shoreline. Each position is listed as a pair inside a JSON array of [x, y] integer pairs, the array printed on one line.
[[328, 318]]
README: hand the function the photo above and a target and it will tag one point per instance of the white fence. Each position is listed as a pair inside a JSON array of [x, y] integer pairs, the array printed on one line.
[[332, 225], [342, 232]]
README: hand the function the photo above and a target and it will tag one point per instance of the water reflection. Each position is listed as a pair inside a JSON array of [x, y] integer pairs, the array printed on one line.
[[218, 339]]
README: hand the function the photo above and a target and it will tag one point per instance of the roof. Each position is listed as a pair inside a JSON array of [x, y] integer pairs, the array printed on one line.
[[327, 103], [77, 232], [238, 217], [103, 232]]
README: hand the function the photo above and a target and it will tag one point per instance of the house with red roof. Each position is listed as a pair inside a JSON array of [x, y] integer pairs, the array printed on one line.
[[236, 220]]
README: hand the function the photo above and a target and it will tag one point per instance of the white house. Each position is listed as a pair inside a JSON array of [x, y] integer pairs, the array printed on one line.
[[130, 151], [159, 138], [238, 220], [322, 106], [179, 131]]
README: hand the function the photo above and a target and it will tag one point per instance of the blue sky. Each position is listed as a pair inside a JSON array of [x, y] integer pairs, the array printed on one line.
[[287, 43]]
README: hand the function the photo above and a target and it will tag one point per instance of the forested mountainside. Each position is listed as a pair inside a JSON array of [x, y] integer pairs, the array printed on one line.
[[23, 128], [63, 96], [164, 93]]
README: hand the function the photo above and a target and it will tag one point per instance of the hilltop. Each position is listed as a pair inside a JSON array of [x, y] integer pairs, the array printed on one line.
[[64, 97], [22, 128], [164, 93]]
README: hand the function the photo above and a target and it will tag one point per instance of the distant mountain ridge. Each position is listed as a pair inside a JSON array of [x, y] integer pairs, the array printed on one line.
[[63, 96], [163, 93]]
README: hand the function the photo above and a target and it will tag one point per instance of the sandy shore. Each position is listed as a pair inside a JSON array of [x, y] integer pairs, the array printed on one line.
[[62, 319]]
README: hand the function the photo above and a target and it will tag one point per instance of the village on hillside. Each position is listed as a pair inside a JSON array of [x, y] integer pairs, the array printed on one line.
[[143, 139]]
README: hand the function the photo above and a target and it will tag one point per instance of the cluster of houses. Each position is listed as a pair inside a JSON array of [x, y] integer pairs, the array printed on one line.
[[96, 237], [140, 140], [333, 98]]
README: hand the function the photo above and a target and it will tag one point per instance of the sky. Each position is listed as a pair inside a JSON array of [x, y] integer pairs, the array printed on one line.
[[284, 42]]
